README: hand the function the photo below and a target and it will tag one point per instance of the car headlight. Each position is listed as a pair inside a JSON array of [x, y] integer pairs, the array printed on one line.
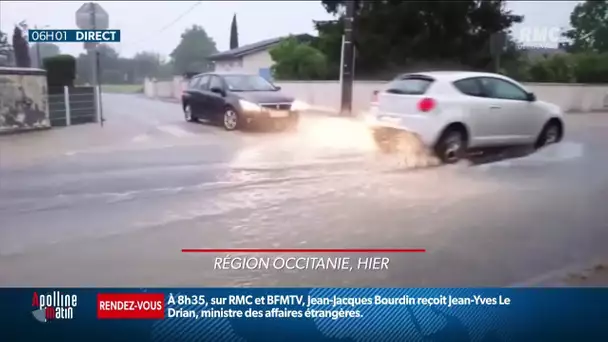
[[249, 106], [299, 106]]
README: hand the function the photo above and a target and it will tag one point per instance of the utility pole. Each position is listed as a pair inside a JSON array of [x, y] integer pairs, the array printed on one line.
[[95, 67], [94, 49], [347, 60], [38, 59], [498, 43], [341, 64]]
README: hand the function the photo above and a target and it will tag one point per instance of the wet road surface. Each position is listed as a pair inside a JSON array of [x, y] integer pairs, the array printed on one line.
[[116, 208]]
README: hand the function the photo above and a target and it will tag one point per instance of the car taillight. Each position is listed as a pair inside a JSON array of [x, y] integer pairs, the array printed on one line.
[[375, 97], [426, 105]]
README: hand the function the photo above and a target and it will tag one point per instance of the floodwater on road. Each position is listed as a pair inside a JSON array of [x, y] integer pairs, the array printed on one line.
[[120, 214]]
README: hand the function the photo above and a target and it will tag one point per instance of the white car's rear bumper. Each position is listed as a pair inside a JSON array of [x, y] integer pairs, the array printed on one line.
[[425, 126]]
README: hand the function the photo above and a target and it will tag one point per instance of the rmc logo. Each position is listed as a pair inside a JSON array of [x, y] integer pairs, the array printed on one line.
[[53, 306], [540, 35]]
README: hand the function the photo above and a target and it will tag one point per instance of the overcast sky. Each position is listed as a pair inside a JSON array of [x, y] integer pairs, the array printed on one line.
[[142, 22]]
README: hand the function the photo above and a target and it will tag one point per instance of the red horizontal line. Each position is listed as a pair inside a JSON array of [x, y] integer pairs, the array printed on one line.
[[302, 250]]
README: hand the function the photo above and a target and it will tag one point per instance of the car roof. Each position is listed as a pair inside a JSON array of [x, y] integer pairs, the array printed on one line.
[[451, 76]]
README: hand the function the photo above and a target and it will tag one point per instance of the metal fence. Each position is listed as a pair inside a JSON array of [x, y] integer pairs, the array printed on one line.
[[73, 106]]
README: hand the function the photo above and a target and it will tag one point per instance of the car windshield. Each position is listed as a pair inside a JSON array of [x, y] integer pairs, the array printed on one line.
[[248, 83]]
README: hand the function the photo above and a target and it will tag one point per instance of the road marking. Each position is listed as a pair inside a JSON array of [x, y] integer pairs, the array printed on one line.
[[175, 131], [141, 138]]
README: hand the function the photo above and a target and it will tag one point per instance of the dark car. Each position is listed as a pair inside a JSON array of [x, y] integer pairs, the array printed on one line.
[[237, 100]]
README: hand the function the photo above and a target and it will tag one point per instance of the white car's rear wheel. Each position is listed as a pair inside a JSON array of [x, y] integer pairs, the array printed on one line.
[[451, 146]]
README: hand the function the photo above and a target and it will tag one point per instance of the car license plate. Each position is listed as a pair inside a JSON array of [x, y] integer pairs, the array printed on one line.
[[279, 114]]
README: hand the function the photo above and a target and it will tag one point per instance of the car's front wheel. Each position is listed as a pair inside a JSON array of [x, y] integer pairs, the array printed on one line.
[[551, 134], [231, 119], [451, 147]]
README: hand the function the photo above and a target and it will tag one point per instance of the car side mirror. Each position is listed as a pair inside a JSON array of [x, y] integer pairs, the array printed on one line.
[[531, 97], [277, 88], [219, 91]]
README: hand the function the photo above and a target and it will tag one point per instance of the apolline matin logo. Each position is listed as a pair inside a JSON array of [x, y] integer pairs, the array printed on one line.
[[53, 306]]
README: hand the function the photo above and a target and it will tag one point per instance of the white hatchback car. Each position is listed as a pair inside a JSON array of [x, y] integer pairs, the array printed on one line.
[[452, 112]]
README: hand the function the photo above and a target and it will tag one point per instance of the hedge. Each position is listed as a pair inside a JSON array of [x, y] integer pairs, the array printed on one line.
[[569, 68], [60, 70]]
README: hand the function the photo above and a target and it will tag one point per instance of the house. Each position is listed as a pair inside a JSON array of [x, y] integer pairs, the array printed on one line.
[[252, 58]]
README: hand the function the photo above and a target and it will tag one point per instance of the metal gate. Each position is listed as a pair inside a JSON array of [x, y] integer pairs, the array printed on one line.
[[73, 106]]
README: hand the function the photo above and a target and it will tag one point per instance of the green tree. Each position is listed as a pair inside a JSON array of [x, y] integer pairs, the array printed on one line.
[[6, 50], [46, 50], [146, 64], [394, 33], [555, 69], [234, 34], [590, 67], [109, 65], [166, 70], [589, 21], [295, 60], [21, 48], [191, 53]]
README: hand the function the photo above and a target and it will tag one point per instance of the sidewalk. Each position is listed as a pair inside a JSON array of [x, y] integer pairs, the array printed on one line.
[[31, 147]]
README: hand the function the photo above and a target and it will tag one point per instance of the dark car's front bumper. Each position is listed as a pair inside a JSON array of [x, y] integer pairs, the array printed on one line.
[[270, 117]]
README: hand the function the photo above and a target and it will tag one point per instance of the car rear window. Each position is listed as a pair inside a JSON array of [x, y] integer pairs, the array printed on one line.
[[409, 85], [469, 86]]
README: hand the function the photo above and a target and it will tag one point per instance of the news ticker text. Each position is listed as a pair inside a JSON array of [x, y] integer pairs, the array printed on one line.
[[66, 36], [181, 306]]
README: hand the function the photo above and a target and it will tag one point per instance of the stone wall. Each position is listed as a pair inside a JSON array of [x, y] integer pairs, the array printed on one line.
[[23, 99]]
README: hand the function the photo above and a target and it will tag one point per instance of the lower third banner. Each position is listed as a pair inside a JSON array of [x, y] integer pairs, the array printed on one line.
[[304, 314]]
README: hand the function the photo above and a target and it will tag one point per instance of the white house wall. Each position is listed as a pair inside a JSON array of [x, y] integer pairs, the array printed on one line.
[[254, 62], [250, 64], [232, 65]]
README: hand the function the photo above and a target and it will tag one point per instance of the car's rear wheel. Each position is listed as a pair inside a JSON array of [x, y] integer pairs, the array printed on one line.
[[231, 119], [188, 113], [551, 134], [451, 146]]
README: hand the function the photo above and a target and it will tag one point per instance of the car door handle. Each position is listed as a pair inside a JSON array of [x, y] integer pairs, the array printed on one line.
[[494, 107]]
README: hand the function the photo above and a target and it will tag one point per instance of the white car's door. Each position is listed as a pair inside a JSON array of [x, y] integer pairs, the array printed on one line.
[[518, 116], [483, 115]]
